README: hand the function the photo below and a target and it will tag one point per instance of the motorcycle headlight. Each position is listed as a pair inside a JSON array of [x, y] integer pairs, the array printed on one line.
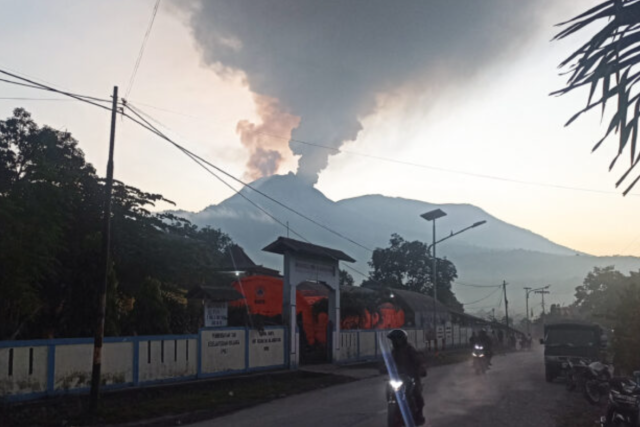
[[479, 347], [395, 384]]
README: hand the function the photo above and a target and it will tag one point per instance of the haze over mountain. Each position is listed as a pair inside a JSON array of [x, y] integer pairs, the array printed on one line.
[[486, 255]]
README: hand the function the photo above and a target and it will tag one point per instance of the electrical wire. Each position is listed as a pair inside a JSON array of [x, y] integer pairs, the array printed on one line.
[[408, 163], [204, 164], [9, 98], [141, 52], [481, 299], [150, 127], [471, 285], [35, 85]]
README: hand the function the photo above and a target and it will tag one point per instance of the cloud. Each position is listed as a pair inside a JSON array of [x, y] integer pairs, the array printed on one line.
[[328, 61]]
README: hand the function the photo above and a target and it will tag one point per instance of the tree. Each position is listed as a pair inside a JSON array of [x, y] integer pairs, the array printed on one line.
[[611, 299], [51, 203], [346, 279], [407, 265], [609, 60], [598, 298]]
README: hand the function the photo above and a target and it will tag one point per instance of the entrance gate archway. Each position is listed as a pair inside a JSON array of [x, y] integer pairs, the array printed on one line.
[[306, 262]]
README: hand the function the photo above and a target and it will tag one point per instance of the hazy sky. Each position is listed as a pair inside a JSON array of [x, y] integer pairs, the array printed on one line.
[[479, 105]]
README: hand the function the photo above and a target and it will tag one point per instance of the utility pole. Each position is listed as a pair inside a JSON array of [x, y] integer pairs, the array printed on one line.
[[542, 292], [506, 302], [526, 291], [105, 263], [434, 281]]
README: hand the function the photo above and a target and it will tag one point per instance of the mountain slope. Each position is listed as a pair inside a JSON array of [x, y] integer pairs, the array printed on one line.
[[486, 255]]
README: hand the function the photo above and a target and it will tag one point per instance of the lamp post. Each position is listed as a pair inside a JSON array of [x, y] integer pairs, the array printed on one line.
[[527, 292], [432, 216]]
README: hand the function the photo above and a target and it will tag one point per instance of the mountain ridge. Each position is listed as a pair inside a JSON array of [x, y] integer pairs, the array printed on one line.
[[485, 255]]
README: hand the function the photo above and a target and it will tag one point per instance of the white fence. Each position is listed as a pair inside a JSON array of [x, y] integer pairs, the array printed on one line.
[[32, 369], [361, 344]]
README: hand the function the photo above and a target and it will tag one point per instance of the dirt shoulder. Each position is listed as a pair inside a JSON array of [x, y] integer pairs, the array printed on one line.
[[168, 405]]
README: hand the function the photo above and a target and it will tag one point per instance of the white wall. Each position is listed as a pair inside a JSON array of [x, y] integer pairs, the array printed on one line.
[[73, 364], [266, 348], [170, 362], [21, 381], [367, 343], [222, 350]]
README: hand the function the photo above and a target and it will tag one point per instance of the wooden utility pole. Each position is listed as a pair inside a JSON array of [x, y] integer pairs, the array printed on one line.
[[526, 291], [542, 292], [105, 264], [506, 302]]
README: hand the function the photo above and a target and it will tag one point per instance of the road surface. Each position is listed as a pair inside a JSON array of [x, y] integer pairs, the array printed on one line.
[[513, 393]]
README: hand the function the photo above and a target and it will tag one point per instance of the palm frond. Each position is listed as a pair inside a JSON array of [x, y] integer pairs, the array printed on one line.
[[612, 53]]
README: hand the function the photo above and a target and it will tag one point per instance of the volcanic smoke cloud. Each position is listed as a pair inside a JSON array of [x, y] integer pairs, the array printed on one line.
[[267, 147], [326, 61]]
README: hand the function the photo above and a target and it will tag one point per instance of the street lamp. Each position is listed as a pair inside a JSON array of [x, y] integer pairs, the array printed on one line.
[[432, 216], [527, 292]]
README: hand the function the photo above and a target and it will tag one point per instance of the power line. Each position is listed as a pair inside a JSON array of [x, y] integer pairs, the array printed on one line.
[[35, 85], [471, 285], [9, 98], [141, 52], [482, 299], [195, 158], [184, 150], [408, 163]]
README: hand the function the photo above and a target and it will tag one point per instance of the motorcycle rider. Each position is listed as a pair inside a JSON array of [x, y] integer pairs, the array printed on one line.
[[485, 340], [409, 362]]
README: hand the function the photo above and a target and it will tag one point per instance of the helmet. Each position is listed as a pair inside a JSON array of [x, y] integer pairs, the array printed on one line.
[[398, 337]]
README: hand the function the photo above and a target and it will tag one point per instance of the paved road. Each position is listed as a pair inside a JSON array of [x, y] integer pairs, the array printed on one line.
[[513, 393]]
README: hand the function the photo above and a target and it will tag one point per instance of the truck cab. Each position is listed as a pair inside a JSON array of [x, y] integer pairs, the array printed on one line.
[[570, 339]]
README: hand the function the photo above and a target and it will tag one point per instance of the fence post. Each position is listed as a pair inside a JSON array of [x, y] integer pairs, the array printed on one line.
[[358, 336], [136, 362], [51, 366], [199, 351], [246, 348]]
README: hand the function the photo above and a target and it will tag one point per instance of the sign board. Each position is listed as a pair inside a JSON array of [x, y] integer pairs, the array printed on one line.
[[215, 314], [223, 350], [440, 332], [448, 331]]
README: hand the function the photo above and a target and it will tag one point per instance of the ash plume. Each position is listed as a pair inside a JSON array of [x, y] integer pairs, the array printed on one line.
[[328, 61]]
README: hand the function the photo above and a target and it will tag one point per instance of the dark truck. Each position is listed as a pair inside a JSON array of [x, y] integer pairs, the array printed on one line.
[[570, 339]]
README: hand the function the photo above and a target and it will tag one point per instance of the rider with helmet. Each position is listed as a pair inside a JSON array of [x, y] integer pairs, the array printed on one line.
[[410, 363], [485, 340]]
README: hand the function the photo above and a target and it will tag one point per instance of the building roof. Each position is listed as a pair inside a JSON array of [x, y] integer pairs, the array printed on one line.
[[214, 293], [285, 244], [236, 259], [418, 302]]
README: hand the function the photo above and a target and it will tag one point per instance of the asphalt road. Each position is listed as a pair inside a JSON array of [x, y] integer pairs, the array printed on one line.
[[513, 393]]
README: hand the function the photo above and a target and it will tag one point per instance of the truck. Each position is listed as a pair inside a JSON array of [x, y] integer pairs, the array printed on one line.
[[570, 339]]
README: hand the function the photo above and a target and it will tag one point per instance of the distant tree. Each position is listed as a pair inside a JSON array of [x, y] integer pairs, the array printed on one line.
[[607, 63], [346, 279], [407, 265]]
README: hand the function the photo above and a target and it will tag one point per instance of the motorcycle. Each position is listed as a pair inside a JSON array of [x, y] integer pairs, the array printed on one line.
[[400, 396], [575, 370], [623, 409], [596, 381], [480, 359]]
